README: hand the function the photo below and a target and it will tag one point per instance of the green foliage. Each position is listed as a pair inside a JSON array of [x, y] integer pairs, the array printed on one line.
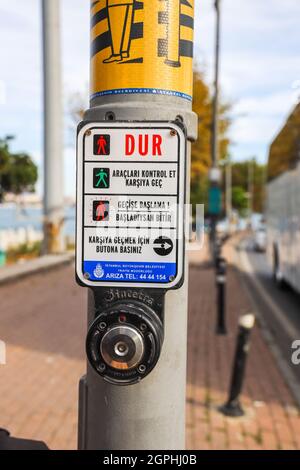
[[28, 251], [199, 192], [239, 199], [240, 179], [285, 150], [18, 173], [4, 163]]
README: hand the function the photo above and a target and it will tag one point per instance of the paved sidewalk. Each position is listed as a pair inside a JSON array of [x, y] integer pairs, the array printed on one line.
[[272, 420], [36, 265], [43, 322]]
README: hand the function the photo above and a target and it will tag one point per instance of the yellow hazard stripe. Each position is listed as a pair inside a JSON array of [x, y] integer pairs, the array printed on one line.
[[102, 26], [185, 10], [186, 33]]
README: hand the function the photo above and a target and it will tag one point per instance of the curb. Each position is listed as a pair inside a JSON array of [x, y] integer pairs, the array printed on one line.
[[281, 362], [44, 263]]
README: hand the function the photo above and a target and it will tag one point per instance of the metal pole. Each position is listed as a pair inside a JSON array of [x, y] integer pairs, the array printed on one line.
[[150, 414], [215, 112], [221, 297], [218, 252], [215, 123], [228, 190], [53, 130], [250, 189]]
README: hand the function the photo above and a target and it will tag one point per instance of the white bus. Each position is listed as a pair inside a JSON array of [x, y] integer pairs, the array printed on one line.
[[283, 203]]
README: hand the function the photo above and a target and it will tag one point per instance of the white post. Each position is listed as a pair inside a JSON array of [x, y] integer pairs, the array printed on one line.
[[53, 130]]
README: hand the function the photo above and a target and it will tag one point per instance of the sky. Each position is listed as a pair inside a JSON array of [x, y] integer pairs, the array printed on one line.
[[260, 70]]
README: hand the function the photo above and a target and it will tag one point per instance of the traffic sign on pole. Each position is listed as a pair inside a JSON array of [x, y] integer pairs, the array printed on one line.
[[130, 204], [214, 200], [133, 165]]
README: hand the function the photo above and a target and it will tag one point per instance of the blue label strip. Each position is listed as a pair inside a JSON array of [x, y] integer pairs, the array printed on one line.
[[114, 271], [149, 91]]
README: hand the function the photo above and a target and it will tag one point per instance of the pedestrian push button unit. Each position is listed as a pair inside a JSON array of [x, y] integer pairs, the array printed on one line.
[[124, 342]]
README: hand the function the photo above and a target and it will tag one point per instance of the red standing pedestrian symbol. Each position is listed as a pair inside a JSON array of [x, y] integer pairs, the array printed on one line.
[[101, 144]]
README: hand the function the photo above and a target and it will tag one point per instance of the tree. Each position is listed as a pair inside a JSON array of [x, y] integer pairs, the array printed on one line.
[[285, 149], [4, 157], [240, 179], [18, 173], [201, 150], [77, 105], [239, 199]]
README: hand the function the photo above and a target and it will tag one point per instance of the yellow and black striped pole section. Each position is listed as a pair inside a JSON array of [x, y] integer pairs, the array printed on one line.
[[142, 47]]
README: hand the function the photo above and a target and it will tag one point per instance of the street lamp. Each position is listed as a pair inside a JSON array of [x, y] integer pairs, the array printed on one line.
[[215, 174], [215, 122], [251, 168], [9, 137]]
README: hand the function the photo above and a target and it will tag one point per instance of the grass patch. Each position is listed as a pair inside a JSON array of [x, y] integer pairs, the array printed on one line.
[[24, 251]]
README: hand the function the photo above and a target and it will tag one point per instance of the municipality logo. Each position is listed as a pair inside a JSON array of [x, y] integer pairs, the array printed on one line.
[[98, 272]]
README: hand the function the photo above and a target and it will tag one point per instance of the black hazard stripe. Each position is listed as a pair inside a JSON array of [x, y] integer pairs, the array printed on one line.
[[186, 48], [104, 40], [99, 16], [186, 3], [185, 20], [102, 14], [138, 3], [183, 2]]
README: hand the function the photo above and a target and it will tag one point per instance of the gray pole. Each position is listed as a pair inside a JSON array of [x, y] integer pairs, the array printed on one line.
[[228, 189], [150, 414], [215, 117], [250, 188], [53, 129]]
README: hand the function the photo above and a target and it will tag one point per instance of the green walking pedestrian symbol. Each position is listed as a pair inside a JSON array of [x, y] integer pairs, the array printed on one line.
[[102, 175], [101, 178]]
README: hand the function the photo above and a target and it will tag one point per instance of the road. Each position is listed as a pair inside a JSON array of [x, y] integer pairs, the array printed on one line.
[[278, 308]]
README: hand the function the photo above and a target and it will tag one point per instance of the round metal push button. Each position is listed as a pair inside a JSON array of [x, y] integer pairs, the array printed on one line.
[[122, 347]]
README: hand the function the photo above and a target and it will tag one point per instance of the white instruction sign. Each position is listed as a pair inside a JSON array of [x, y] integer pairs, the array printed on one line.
[[130, 204]]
